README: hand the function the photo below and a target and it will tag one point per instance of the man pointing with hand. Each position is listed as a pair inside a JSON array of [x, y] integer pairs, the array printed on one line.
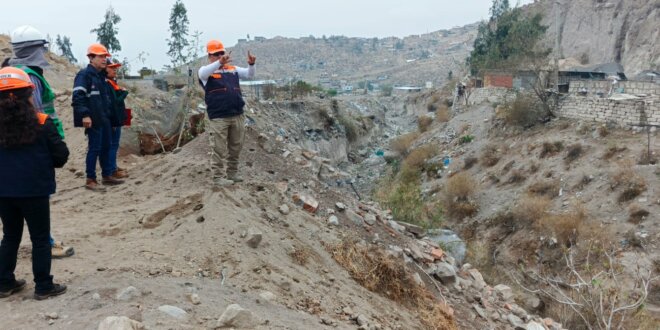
[[224, 107]]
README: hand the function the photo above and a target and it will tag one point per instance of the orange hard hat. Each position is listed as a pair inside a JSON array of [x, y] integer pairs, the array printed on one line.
[[214, 46], [97, 49], [111, 64], [14, 78]]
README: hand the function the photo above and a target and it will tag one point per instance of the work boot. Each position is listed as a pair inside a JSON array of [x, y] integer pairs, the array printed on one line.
[[59, 250], [235, 177], [57, 290], [17, 286], [111, 181], [120, 174], [222, 182], [93, 185]]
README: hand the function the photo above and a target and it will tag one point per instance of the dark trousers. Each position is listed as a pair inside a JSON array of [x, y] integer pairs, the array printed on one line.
[[98, 148], [36, 212], [115, 137]]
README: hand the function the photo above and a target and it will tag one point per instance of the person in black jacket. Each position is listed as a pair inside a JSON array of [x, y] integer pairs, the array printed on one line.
[[30, 150], [91, 110]]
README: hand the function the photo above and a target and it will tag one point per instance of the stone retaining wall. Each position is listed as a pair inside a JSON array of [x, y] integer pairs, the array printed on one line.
[[622, 112]]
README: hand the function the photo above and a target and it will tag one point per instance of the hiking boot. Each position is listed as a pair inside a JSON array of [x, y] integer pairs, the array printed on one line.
[[17, 286], [111, 181], [93, 185], [222, 182], [59, 250], [235, 177], [120, 174], [57, 290]]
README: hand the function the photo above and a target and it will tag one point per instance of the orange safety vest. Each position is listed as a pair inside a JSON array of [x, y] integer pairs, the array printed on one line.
[[42, 117]]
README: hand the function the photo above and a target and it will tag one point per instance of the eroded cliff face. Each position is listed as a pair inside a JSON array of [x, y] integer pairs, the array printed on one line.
[[601, 31]]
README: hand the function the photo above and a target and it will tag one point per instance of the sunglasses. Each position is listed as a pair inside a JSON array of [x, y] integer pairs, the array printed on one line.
[[220, 53]]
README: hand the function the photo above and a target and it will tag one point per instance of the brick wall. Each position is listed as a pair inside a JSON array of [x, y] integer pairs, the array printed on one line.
[[623, 112], [498, 80]]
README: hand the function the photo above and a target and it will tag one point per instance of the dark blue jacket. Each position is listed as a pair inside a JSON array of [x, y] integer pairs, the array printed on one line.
[[91, 97], [223, 94], [29, 170], [117, 99]]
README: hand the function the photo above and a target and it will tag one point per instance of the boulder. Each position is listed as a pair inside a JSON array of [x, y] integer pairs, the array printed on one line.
[[120, 323], [236, 316]]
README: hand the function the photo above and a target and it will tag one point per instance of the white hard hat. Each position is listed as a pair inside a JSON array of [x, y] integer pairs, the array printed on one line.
[[26, 33]]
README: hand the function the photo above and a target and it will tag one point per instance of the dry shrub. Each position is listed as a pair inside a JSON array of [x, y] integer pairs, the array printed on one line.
[[603, 131], [534, 167], [633, 185], [506, 168], [530, 209], [300, 255], [586, 180], [646, 159], [544, 188], [573, 152], [523, 111], [613, 151], [463, 129], [637, 214], [490, 155], [469, 162], [423, 123], [388, 276], [403, 142], [517, 176], [550, 149], [458, 193], [442, 114], [566, 227], [418, 157]]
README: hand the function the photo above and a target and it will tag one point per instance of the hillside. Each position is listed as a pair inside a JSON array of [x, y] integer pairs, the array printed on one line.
[[599, 31], [413, 60]]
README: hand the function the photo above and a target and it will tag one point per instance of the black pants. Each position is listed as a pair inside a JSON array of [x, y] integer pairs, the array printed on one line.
[[36, 212]]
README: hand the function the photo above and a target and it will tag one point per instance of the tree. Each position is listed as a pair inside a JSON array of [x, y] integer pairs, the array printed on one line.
[[498, 8], [145, 72], [195, 45], [179, 32], [510, 42], [106, 33], [64, 45]]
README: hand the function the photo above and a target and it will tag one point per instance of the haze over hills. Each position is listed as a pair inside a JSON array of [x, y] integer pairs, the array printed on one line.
[[411, 61]]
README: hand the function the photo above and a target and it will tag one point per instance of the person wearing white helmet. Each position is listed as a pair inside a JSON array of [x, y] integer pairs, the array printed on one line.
[[29, 55]]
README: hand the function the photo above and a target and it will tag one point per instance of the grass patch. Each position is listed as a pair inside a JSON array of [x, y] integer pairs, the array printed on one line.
[[566, 227], [637, 214], [551, 148], [458, 196], [351, 128], [388, 276], [549, 189], [573, 153], [299, 255], [465, 139], [530, 209], [442, 114], [633, 185], [423, 123], [469, 162], [613, 151], [402, 195], [402, 143], [490, 155], [517, 176], [522, 111]]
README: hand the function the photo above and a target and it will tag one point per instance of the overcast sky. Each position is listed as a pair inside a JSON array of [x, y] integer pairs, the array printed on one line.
[[144, 26]]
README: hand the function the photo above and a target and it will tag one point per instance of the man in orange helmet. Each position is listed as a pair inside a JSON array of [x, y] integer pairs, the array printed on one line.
[[224, 107], [91, 110], [117, 116]]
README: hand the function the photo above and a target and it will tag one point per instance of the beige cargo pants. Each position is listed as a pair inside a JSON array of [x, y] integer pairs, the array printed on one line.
[[226, 136]]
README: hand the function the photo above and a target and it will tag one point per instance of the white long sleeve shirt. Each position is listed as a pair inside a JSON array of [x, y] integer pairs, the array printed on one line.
[[206, 71]]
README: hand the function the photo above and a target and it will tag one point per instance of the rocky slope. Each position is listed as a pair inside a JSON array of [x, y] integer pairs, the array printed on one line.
[[603, 31]]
